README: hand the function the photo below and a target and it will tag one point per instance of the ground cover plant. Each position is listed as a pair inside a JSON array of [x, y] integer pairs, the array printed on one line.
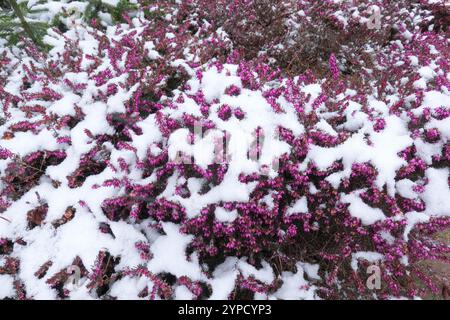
[[227, 149]]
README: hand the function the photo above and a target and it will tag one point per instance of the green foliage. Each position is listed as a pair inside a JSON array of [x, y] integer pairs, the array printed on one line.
[[11, 28], [157, 13], [96, 6]]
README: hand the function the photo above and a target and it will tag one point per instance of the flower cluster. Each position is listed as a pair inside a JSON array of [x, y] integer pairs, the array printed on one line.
[[217, 149]]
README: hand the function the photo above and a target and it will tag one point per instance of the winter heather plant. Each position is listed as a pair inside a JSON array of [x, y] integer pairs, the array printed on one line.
[[228, 149]]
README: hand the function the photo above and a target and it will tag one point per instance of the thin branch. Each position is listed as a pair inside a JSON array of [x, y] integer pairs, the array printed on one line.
[[1, 217]]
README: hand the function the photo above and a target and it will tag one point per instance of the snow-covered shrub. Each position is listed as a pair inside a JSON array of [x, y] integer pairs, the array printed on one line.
[[164, 157], [301, 35]]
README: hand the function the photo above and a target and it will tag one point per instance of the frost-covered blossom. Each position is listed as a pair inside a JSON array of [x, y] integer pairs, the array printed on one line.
[[222, 150]]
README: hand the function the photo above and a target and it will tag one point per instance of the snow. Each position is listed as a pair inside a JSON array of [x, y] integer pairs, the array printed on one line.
[[6, 286], [427, 150], [111, 2], [183, 293], [427, 73], [169, 254], [435, 99], [128, 288], [265, 274], [437, 192], [420, 84], [225, 216], [369, 256], [150, 135], [152, 53], [214, 82], [295, 287], [116, 103], [65, 106], [241, 132], [171, 247], [362, 211], [405, 188], [412, 219], [311, 270], [383, 153], [414, 60], [27, 142], [95, 121], [324, 126], [379, 106], [301, 205], [442, 125], [223, 281]]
